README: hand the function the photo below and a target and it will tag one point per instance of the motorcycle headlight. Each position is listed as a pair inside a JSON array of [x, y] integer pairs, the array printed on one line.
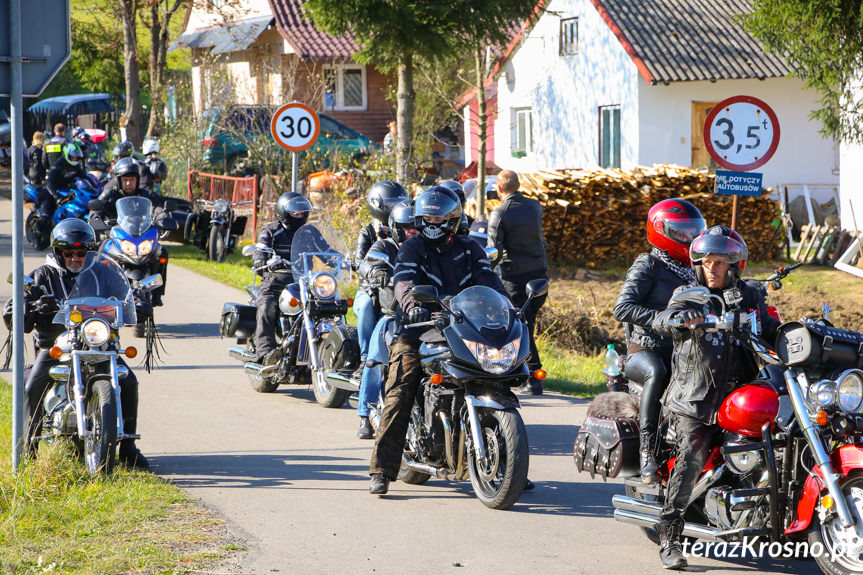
[[128, 248], [145, 247], [822, 393], [220, 206], [492, 359], [324, 285], [96, 332], [850, 390]]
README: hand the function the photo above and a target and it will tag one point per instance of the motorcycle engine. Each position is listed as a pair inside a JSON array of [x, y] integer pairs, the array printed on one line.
[[431, 420], [722, 508]]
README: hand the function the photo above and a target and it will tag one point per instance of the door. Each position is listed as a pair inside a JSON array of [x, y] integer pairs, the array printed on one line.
[[700, 157]]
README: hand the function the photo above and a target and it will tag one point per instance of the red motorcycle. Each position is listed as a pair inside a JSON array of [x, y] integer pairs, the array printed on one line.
[[786, 479]]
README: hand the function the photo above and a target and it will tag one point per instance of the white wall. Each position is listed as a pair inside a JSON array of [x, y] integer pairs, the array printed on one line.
[[565, 92], [203, 16], [803, 156], [851, 186]]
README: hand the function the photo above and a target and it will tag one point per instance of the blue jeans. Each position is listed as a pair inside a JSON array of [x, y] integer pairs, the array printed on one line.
[[373, 377], [366, 320]]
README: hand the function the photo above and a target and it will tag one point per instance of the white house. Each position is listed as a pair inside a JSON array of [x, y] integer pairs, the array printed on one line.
[[619, 83]]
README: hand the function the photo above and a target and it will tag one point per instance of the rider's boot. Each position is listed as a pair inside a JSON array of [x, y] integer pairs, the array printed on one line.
[[670, 546], [366, 431], [647, 457]]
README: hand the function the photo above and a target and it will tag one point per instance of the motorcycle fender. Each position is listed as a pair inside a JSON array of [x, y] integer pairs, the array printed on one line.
[[845, 460], [218, 220], [499, 402]]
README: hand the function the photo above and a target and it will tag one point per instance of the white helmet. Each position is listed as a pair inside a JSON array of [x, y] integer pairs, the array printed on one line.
[[150, 147]]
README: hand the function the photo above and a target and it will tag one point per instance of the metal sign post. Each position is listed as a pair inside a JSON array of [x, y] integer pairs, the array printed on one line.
[[295, 127], [39, 36]]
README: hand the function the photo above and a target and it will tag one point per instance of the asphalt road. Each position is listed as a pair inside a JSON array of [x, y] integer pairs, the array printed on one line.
[[291, 478]]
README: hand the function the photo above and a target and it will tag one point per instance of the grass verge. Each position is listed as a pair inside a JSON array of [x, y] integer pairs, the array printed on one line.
[[55, 518]]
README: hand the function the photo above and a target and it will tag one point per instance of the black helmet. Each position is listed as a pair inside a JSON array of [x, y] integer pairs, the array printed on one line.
[[720, 241], [293, 210], [437, 202], [72, 234], [158, 169], [382, 197], [401, 218], [127, 167], [456, 187], [123, 150]]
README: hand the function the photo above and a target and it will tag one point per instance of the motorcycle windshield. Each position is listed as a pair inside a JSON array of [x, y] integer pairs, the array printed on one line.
[[134, 215], [311, 252], [102, 280], [486, 310]]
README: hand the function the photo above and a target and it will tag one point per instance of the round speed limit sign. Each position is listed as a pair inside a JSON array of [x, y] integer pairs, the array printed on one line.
[[741, 133], [295, 127]]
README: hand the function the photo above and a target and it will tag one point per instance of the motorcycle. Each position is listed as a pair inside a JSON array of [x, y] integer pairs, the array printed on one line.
[[465, 422], [222, 230], [71, 203], [311, 329], [83, 403], [133, 243], [789, 466]]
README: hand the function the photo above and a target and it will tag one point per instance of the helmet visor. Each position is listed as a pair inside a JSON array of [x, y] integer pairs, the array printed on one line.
[[683, 232], [728, 249], [298, 206], [437, 205]]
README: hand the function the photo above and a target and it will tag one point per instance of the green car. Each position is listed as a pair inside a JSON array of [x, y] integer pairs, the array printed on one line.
[[228, 129]]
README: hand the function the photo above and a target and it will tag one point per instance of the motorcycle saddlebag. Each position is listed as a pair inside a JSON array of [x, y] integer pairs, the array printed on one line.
[[607, 447], [341, 346], [238, 321], [238, 226], [811, 343]]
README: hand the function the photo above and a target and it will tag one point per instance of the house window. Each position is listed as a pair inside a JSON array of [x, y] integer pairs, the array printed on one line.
[[345, 87], [609, 136], [522, 132], [568, 36]]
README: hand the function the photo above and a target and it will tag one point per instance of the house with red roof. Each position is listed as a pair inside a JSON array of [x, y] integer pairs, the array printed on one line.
[[620, 83], [270, 52]]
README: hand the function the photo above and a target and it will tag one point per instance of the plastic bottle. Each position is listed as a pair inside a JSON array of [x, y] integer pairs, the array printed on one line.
[[612, 360]]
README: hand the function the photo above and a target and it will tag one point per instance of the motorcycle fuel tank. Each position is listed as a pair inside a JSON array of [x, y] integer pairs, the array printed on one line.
[[747, 408]]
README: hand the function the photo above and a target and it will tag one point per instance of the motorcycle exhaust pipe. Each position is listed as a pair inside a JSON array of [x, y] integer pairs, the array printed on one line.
[[259, 370], [637, 505], [447, 436], [240, 353], [689, 529], [340, 381]]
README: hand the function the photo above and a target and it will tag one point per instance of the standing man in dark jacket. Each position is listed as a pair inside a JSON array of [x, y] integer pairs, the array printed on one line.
[[436, 257], [292, 210], [54, 146], [706, 367], [671, 226], [515, 229]]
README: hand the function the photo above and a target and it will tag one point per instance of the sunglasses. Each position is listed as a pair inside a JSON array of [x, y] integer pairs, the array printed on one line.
[[75, 254]]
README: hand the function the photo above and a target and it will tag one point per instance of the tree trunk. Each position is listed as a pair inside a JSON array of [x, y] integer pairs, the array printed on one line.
[[155, 65], [405, 116], [481, 135], [128, 9]]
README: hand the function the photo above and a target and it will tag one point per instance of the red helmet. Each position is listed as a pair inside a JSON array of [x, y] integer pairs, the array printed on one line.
[[672, 225], [720, 241]]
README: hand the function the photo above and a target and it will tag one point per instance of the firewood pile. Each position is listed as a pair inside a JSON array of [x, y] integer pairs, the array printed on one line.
[[599, 216]]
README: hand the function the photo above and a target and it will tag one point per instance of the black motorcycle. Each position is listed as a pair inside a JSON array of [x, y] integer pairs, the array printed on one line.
[[216, 227], [465, 422]]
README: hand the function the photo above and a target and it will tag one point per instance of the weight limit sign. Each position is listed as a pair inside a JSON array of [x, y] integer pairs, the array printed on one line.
[[741, 133], [295, 127]]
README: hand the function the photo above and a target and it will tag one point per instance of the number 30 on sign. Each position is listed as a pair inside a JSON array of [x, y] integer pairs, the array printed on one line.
[[295, 127], [741, 133]]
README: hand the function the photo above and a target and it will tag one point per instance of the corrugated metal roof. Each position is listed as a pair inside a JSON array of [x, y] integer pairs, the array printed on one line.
[[233, 37], [299, 30], [689, 40]]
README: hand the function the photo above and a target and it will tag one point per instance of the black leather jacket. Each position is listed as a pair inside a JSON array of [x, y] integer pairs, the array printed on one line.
[[368, 236], [451, 268], [646, 290], [275, 235], [515, 229], [376, 279], [62, 175], [706, 366]]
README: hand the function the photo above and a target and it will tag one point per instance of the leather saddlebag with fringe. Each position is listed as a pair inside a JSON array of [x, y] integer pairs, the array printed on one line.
[[607, 447]]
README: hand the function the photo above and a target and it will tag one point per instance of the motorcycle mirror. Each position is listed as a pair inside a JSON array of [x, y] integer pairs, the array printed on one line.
[[424, 294], [536, 288], [378, 258], [491, 253], [248, 250], [95, 205], [28, 281], [150, 283], [698, 294]]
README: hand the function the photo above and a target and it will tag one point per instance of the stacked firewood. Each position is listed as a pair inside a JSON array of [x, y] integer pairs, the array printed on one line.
[[599, 216]]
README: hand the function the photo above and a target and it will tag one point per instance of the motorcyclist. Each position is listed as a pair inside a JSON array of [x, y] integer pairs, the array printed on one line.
[[292, 210], [436, 256], [466, 220], [54, 146], [402, 226], [154, 171], [380, 201], [92, 154], [62, 176], [671, 226], [73, 245], [120, 152], [705, 369], [127, 176]]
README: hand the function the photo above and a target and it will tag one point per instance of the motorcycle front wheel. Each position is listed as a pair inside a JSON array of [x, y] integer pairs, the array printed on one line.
[[499, 479], [325, 393], [842, 547], [217, 250], [100, 417]]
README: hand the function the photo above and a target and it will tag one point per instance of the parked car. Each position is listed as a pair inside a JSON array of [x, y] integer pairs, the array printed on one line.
[[226, 131]]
